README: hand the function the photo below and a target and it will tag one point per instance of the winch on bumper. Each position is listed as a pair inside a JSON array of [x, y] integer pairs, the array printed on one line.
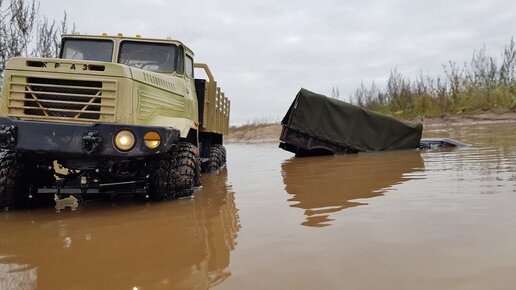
[[78, 140]]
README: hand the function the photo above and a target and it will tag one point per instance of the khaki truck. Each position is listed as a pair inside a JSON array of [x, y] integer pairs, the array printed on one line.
[[112, 115]]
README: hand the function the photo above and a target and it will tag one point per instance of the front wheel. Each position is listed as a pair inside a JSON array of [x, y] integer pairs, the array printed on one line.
[[187, 170], [161, 177], [19, 176], [175, 174]]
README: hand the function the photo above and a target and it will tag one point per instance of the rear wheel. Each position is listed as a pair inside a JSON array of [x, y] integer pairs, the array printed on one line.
[[223, 153], [217, 157]]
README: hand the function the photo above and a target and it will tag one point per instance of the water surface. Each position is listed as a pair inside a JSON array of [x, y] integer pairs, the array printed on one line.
[[396, 220]]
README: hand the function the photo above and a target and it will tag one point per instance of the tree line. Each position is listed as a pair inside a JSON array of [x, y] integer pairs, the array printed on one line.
[[485, 82], [24, 31]]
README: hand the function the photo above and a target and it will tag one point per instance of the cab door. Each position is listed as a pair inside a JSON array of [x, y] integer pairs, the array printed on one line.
[[190, 84]]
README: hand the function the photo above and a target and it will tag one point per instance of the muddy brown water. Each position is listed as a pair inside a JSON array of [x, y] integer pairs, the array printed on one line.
[[397, 220]]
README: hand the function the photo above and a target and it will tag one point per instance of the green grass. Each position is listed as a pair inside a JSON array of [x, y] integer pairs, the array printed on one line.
[[481, 84]]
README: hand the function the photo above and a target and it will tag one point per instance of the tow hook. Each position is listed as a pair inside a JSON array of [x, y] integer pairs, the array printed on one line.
[[8, 135], [91, 142]]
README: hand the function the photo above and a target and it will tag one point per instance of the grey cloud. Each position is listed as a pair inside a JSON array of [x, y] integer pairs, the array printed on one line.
[[262, 52]]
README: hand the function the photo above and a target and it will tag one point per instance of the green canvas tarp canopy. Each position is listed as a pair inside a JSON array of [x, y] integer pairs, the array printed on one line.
[[349, 126]]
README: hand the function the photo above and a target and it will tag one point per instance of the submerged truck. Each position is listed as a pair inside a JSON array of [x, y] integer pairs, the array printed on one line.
[[111, 115], [318, 125]]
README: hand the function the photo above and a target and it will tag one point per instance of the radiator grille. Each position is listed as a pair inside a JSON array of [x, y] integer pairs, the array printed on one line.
[[50, 98]]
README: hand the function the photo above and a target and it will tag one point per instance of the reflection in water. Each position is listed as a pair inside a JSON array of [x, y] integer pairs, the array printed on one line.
[[70, 202], [325, 185], [177, 244], [450, 227]]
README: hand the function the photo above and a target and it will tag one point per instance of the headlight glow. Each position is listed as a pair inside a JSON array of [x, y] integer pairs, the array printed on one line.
[[124, 140]]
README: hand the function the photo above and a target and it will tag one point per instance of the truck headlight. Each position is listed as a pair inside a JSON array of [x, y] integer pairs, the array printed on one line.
[[152, 140], [124, 140]]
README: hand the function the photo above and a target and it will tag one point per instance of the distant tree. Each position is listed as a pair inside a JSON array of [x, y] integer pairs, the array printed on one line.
[[23, 31], [478, 84], [508, 67], [335, 93], [16, 25], [48, 34]]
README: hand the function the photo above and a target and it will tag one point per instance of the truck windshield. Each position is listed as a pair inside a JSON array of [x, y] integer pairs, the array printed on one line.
[[157, 57], [87, 49]]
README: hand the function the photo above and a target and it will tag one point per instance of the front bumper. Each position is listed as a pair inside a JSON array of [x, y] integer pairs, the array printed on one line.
[[79, 139]]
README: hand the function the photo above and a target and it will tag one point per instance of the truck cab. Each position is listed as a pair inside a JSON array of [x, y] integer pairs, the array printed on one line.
[[111, 104]]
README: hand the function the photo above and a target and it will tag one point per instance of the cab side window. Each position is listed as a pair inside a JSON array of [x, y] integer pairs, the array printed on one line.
[[189, 66]]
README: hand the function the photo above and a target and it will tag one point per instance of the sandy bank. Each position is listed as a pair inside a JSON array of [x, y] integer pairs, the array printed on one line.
[[263, 133]]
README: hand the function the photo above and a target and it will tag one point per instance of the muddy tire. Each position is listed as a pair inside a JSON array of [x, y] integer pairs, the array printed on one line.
[[175, 174], [217, 157], [161, 171], [223, 153], [187, 171], [197, 179], [14, 189]]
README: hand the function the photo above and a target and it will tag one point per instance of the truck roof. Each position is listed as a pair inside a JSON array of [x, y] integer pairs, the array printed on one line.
[[120, 37]]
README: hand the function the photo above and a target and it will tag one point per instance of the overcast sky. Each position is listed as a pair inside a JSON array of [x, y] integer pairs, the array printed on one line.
[[263, 52]]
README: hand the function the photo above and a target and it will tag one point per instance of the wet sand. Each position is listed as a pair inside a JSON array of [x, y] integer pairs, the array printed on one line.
[[394, 220], [270, 132]]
